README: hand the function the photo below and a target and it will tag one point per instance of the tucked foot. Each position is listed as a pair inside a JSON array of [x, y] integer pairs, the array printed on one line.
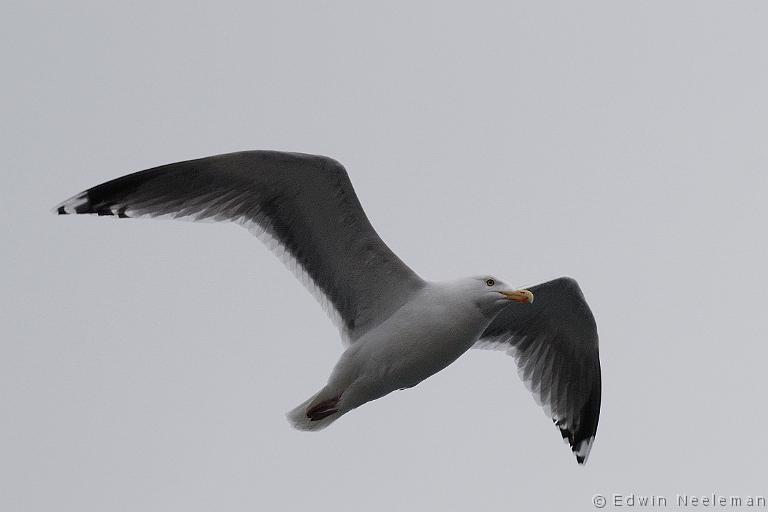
[[323, 409]]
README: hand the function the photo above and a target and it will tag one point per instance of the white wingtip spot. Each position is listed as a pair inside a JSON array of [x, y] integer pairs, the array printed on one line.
[[583, 449], [70, 205]]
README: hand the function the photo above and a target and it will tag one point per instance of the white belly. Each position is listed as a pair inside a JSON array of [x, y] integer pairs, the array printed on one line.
[[418, 341]]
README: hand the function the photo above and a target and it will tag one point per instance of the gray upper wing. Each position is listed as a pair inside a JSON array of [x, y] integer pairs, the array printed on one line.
[[555, 344], [302, 206]]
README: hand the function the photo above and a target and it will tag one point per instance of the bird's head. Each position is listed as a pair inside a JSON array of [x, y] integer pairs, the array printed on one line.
[[491, 295]]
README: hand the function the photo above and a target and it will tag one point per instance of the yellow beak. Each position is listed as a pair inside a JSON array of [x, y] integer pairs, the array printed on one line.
[[524, 296]]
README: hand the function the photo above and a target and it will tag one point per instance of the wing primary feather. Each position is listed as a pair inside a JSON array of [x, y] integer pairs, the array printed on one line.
[[555, 345], [302, 206]]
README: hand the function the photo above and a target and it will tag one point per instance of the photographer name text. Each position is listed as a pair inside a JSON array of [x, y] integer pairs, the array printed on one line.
[[651, 501]]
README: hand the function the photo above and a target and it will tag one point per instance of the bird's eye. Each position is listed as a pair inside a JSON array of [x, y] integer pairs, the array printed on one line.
[[490, 282]]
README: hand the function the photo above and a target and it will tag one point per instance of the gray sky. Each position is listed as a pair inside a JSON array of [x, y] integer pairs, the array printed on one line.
[[148, 365]]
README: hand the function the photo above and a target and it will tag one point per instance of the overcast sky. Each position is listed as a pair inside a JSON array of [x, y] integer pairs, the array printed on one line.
[[147, 366]]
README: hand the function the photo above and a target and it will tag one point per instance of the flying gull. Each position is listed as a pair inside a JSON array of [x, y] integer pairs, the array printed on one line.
[[398, 328]]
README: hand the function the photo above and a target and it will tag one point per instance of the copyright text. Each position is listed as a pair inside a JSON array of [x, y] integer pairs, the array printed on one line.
[[658, 501]]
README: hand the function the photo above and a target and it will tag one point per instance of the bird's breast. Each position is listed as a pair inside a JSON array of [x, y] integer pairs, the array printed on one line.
[[417, 342]]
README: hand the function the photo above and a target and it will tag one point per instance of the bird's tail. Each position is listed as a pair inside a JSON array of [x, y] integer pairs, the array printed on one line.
[[317, 412]]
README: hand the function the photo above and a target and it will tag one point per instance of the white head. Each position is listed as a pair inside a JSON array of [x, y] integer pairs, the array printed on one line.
[[490, 294]]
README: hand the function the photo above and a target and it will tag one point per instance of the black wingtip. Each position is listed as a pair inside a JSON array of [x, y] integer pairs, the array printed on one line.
[[84, 203], [81, 203], [580, 445]]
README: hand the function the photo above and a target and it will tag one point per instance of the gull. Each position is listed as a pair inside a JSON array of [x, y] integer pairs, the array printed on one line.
[[398, 329]]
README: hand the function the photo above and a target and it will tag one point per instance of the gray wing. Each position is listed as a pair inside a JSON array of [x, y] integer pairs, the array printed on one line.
[[554, 342], [302, 206]]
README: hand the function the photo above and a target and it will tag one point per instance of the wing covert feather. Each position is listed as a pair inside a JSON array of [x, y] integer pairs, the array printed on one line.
[[555, 345], [303, 206]]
